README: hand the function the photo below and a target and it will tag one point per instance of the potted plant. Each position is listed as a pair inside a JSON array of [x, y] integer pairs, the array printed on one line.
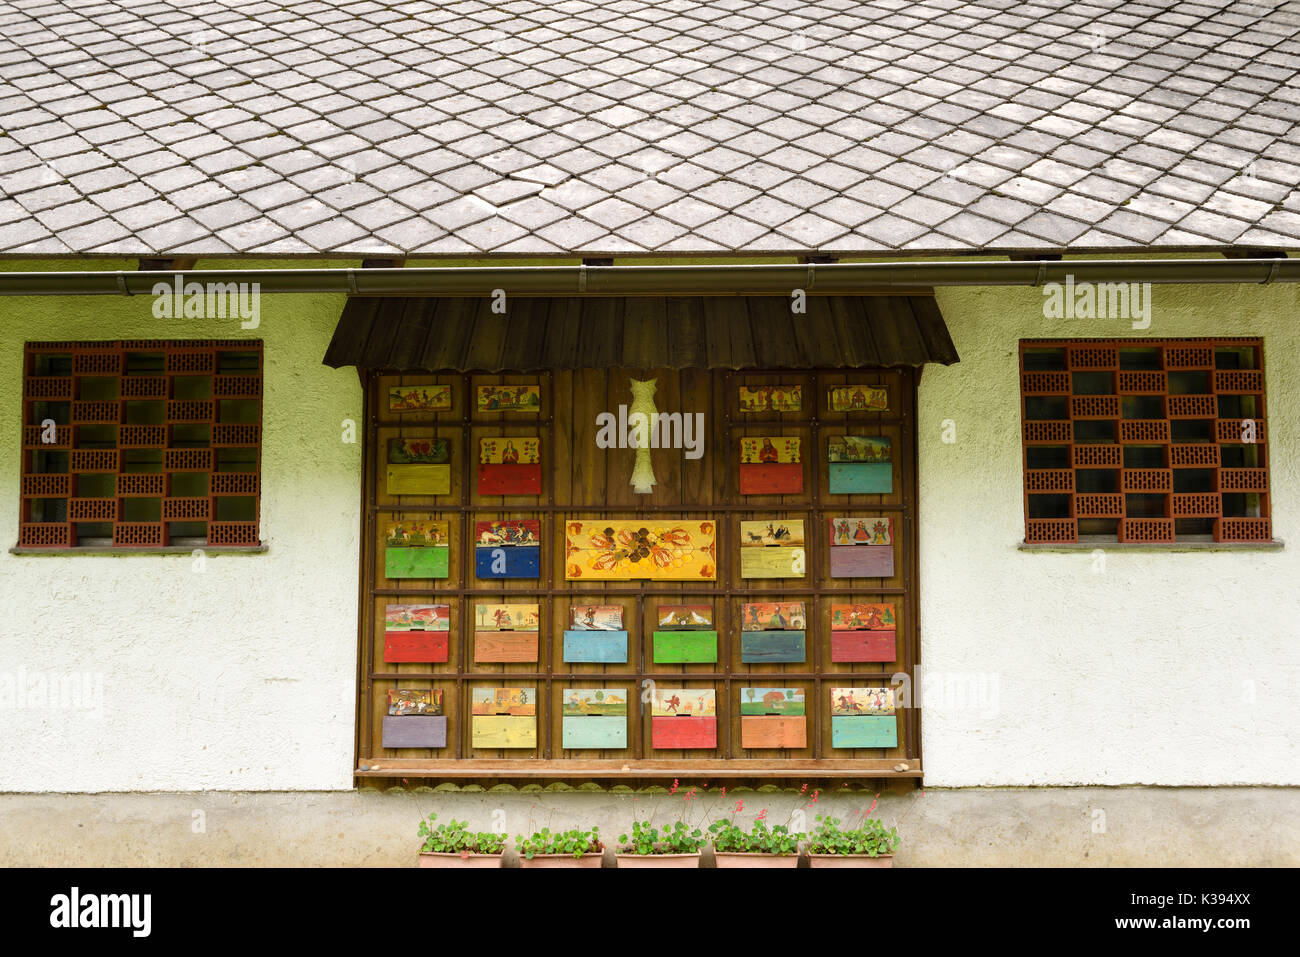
[[453, 845], [675, 845], [571, 848], [867, 845], [761, 846]]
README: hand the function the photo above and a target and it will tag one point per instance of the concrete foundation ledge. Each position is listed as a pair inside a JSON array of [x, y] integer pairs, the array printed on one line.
[[1030, 827]]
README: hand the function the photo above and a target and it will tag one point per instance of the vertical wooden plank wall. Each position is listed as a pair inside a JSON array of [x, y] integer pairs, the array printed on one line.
[[582, 481]]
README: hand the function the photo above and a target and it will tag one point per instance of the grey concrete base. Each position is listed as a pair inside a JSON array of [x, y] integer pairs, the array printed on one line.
[[1103, 827]]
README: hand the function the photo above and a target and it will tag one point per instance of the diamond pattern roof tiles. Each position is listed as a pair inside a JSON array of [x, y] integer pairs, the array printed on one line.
[[599, 127]]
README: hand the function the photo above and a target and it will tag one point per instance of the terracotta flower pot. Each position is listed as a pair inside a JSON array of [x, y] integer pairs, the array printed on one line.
[[737, 859], [562, 860], [659, 860], [850, 860], [441, 859]]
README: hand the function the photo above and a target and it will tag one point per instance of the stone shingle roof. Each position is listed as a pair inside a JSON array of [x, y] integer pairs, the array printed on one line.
[[624, 127]]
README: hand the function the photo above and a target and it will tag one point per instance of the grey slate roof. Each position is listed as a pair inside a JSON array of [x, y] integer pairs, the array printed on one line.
[[626, 127]]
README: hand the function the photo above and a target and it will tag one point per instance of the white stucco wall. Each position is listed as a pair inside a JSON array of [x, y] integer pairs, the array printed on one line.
[[1165, 668], [239, 676], [242, 676]]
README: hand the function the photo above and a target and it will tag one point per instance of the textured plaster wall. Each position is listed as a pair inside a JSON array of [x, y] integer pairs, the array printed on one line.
[[1165, 668], [239, 676], [1141, 667], [1018, 827]]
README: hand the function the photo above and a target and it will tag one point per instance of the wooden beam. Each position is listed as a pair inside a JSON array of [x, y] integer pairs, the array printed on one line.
[[484, 768]]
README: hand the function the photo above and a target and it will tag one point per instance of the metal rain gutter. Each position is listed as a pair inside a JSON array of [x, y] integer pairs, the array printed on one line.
[[660, 280]]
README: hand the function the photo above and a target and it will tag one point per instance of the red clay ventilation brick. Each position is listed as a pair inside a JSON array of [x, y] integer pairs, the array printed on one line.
[[162, 410], [1147, 412]]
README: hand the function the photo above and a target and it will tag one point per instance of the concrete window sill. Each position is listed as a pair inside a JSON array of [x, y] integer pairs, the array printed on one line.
[[1108, 545], [159, 550]]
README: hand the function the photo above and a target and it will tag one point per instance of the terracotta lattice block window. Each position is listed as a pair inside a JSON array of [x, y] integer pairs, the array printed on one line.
[[1144, 440], [141, 444]]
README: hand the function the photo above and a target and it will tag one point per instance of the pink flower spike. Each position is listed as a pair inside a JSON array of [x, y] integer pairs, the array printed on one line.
[[804, 788], [762, 815], [740, 806], [874, 801]]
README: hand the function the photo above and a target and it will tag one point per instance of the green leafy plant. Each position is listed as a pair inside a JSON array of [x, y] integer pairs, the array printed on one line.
[[869, 837], [731, 838], [574, 841], [456, 838], [675, 839], [680, 837]]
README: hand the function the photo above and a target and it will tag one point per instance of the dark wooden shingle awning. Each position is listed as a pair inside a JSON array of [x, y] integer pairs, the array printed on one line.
[[722, 332]]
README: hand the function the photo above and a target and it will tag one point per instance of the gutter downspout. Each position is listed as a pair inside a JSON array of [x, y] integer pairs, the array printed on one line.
[[659, 280]]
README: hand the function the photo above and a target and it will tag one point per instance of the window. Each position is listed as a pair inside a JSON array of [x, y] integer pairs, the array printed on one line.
[[1144, 440], [141, 444]]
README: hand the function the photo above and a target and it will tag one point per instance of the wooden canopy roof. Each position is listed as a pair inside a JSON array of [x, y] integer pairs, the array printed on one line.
[[722, 332]]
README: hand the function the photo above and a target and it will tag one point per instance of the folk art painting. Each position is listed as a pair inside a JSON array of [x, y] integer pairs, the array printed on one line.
[[415, 701], [508, 398], [683, 550], [514, 701], [863, 617], [862, 701], [596, 617], [771, 398], [595, 701], [431, 451], [679, 617], [417, 618], [520, 617], [684, 702], [858, 398], [757, 616], [434, 397], [781, 701]]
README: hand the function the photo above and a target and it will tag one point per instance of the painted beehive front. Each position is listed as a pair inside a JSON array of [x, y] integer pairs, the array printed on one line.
[[503, 717], [416, 633], [510, 465], [595, 635], [864, 632], [418, 467], [863, 718], [629, 550], [505, 633], [770, 465], [685, 635], [414, 549], [773, 718], [594, 718], [858, 398], [684, 718], [414, 731], [860, 465], [772, 632], [862, 547], [772, 549], [508, 549]]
